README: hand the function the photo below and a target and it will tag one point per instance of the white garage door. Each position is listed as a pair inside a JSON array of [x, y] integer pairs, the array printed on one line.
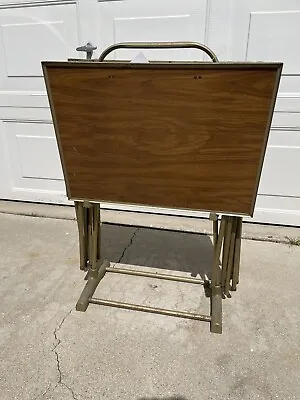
[[269, 30], [44, 30]]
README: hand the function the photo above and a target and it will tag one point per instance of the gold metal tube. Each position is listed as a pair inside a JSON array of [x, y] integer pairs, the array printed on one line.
[[95, 225], [90, 233], [231, 256], [86, 234], [155, 310], [215, 231], [237, 254], [91, 285], [99, 235], [215, 277], [216, 310], [80, 223], [226, 250], [158, 45], [155, 275], [214, 218], [216, 292]]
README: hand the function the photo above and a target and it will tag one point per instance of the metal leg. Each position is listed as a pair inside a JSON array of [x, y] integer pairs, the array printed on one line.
[[86, 234], [95, 213], [79, 209], [90, 232], [230, 256], [216, 290], [91, 286], [214, 217], [216, 309], [99, 235], [237, 254], [226, 249], [97, 268]]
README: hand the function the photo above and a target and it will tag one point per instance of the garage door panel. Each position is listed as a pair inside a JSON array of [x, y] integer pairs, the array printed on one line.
[[290, 84], [23, 100], [243, 13], [33, 163], [288, 103], [287, 113], [31, 34], [144, 8], [20, 114], [16, 38], [268, 31], [277, 210], [286, 119], [33, 159], [132, 20], [278, 203], [286, 138], [13, 184], [169, 28], [280, 171], [271, 37]]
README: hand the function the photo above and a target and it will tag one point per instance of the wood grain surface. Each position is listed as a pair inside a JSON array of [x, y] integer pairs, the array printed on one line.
[[177, 136]]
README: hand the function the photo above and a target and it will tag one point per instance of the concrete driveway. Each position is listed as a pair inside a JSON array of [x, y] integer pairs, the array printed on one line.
[[50, 351]]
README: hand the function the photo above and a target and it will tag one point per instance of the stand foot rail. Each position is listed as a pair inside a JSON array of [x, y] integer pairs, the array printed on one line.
[[154, 310], [169, 277]]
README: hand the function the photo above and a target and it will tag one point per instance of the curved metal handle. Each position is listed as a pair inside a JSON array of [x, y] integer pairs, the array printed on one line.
[[159, 45]]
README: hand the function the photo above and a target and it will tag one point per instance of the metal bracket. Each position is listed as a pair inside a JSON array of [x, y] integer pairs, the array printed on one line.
[[88, 48]]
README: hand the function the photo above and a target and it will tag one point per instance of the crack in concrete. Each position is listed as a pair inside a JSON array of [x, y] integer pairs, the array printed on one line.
[[58, 340], [47, 390], [58, 362], [127, 247]]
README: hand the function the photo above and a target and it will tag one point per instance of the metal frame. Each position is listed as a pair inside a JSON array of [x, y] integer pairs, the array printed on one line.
[[226, 241], [224, 278], [159, 45]]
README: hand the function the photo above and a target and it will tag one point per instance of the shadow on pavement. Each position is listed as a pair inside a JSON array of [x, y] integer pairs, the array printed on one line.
[[177, 251]]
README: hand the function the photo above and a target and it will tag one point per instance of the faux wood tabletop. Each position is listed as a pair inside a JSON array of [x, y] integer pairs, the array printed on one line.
[[188, 136]]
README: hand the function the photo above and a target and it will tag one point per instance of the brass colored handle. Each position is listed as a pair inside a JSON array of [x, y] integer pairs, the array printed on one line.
[[159, 45]]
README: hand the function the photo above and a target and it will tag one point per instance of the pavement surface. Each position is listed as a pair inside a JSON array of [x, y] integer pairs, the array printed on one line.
[[50, 351]]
